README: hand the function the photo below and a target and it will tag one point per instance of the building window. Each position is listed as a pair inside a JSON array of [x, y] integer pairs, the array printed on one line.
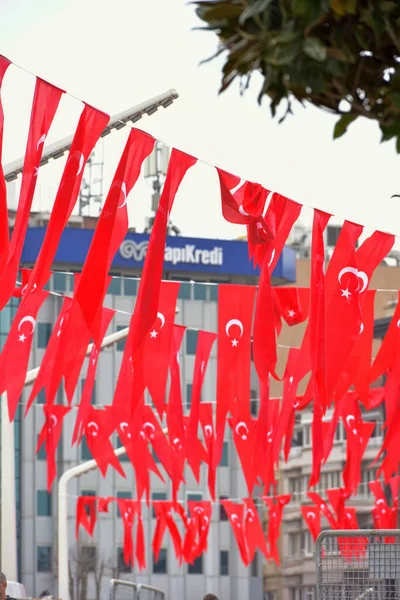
[[222, 512], [154, 454], [253, 402], [130, 287], [271, 595], [115, 286], [59, 282], [85, 452], [43, 503], [308, 592], [126, 496], [90, 493], [185, 292], [197, 567], [41, 397], [188, 395], [224, 562], [88, 558], [191, 342], [254, 566], [43, 335], [161, 566], [121, 344], [225, 455], [200, 291], [214, 293], [294, 544], [93, 397], [44, 559], [121, 564], [157, 496], [194, 496], [41, 453], [307, 435]]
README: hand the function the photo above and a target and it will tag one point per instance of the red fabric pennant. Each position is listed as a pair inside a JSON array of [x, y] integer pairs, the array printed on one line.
[[292, 304], [205, 342], [389, 348], [86, 515], [358, 436], [50, 436], [44, 107], [140, 544], [324, 508], [264, 338], [128, 509], [245, 439], [91, 124], [275, 513], [206, 422], [14, 358], [235, 311], [312, 518], [4, 233], [253, 531], [111, 229], [97, 431], [235, 514]]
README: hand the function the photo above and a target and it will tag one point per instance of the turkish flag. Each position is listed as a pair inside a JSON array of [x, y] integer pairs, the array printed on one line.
[[45, 376], [168, 507], [91, 124], [110, 231], [14, 358], [4, 234], [200, 514], [146, 307], [264, 335], [317, 318], [275, 513], [140, 544], [324, 508], [205, 341], [175, 422], [291, 303], [312, 518], [86, 515], [358, 435], [158, 344], [242, 201], [253, 531], [206, 422], [152, 428], [235, 311], [104, 503], [267, 466], [50, 436], [128, 509], [87, 391], [72, 350], [44, 107], [389, 348], [381, 505], [235, 514], [160, 528], [97, 431], [245, 440]]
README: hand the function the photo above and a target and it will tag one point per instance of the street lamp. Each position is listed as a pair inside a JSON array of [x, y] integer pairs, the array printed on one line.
[[58, 149]]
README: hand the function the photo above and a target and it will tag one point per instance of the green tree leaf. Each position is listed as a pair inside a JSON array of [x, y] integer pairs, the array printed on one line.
[[343, 124], [255, 8], [315, 49]]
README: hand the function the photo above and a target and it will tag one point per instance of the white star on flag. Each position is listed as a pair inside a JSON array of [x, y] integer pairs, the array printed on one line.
[[291, 313], [346, 293], [22, 338], [153, 334], [234, 343]]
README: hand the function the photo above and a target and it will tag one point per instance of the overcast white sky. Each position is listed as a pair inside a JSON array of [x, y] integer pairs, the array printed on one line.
[[114, 54]]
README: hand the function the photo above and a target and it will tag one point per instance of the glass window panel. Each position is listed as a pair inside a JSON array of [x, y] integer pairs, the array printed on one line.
[[121, 344], [43, 334], [44, 555], [214, 293], [185, 291], [188, 395], [115, 286], [191, 342], [59, 281], [194, 496], [197, 567], [200, 291], [224, 562], [43, 503], [222, 512], [41, 454], [122, 566], [130, 287], [254, 566], [160, 567], [85, 452], [225, 455]]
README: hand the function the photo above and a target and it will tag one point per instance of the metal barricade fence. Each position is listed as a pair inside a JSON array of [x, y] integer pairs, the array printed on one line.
[[127, 590], [358, 564]]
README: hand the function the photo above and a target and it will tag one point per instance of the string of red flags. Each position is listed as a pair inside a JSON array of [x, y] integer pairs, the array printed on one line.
[[332, 374]]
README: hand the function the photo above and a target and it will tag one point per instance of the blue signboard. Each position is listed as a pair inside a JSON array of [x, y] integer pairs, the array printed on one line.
[[182, 254]]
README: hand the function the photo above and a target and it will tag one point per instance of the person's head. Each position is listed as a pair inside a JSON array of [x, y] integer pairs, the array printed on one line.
[[210, 597], [3, 584]]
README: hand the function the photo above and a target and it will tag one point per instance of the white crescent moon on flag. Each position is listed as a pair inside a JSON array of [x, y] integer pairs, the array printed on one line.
[[81, 159], [310, 515], [380, 501], [234, 322], [398, 323], [149, 426], [242, 211], [41, 141], [267, 203], [271, 260], [235, 519], [361, 329], [93, 428], [237, 187], [53, 419], [239, 426], [208, 430], [349, 420], [360, 274], [122, 186], [30, 320], [162, 319]]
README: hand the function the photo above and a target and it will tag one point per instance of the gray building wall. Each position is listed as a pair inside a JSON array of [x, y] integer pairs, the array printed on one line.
[[197, 308]]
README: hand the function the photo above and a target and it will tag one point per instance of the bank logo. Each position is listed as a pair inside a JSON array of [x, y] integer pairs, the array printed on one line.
[[187, 254], [130, 249]]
